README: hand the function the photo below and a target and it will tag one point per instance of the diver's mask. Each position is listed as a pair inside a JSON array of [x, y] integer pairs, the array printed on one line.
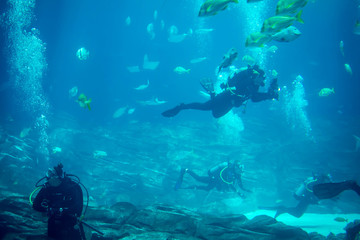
[[55, 175]]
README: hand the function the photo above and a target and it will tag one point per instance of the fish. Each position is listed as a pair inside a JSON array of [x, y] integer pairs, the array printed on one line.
[[150, 30], [73, 92], [25, 132], [153, 102], [357, 28], [212, 7], [128, 21], [120, 111], [340, 219], [341, 45], [175, 36], [56, 150], [277, 23], [348, 68], [99, 154], [326, 92], [82, 54], [228, 58], [289, 6], [131, 111], [257, 39], [287, 35], [181, 70], [144, 86], [83, 101], [249, 60], [133, 69], [197, 60], [148, 64], [203, 30]]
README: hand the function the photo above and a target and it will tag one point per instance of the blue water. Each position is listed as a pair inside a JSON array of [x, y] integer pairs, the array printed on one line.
[[100, 27]]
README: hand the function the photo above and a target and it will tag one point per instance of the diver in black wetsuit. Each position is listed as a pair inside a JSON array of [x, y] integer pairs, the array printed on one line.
[[224, 177], [304, 194], [62, 199], [244, 85]]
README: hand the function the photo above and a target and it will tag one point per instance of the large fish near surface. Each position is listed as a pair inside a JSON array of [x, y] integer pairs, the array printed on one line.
[[289, 6], [228, 59], [277, 23], [212, 7]]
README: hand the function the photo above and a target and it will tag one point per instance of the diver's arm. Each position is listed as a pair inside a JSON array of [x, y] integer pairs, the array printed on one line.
[[40, 201]]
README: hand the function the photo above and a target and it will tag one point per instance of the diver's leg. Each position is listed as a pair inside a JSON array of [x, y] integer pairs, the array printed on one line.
[[203, 179], [300, 209], [206, 106], [355, 187], [330, 190], [222, 104]]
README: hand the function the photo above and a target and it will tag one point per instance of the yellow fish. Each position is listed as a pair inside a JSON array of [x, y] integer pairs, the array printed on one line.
[[340, 219], [277, 23], [212, 7], [83, 101], [257, 39], [289, 6], [326, 92]]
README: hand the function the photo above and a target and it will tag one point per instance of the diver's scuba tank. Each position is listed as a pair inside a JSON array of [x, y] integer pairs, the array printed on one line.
[[212, 171], [305, 187]]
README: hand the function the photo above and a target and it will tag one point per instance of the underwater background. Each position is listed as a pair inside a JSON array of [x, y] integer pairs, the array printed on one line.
[[123, 149]]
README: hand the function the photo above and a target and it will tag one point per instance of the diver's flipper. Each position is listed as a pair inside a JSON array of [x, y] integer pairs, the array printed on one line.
[[173, 111], [208, 85], [330, 190], [180, 179]]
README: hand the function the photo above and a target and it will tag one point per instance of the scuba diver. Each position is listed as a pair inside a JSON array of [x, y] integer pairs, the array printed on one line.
[[62, 198], [304, 194], [242, 86], [224, 177]]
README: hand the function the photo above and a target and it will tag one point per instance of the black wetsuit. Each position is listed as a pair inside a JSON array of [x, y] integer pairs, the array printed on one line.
[[306, 197], [242, 89], [220, 177], [64, 206]]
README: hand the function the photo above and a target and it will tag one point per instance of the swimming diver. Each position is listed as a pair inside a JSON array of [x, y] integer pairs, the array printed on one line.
[[242, 86], [225, 176]]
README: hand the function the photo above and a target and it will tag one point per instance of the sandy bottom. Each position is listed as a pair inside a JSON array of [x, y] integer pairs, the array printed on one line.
[[311, 222]]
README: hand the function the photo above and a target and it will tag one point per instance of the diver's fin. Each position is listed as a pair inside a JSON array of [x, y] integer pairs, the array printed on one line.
[[173, 112], [330, 190]]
